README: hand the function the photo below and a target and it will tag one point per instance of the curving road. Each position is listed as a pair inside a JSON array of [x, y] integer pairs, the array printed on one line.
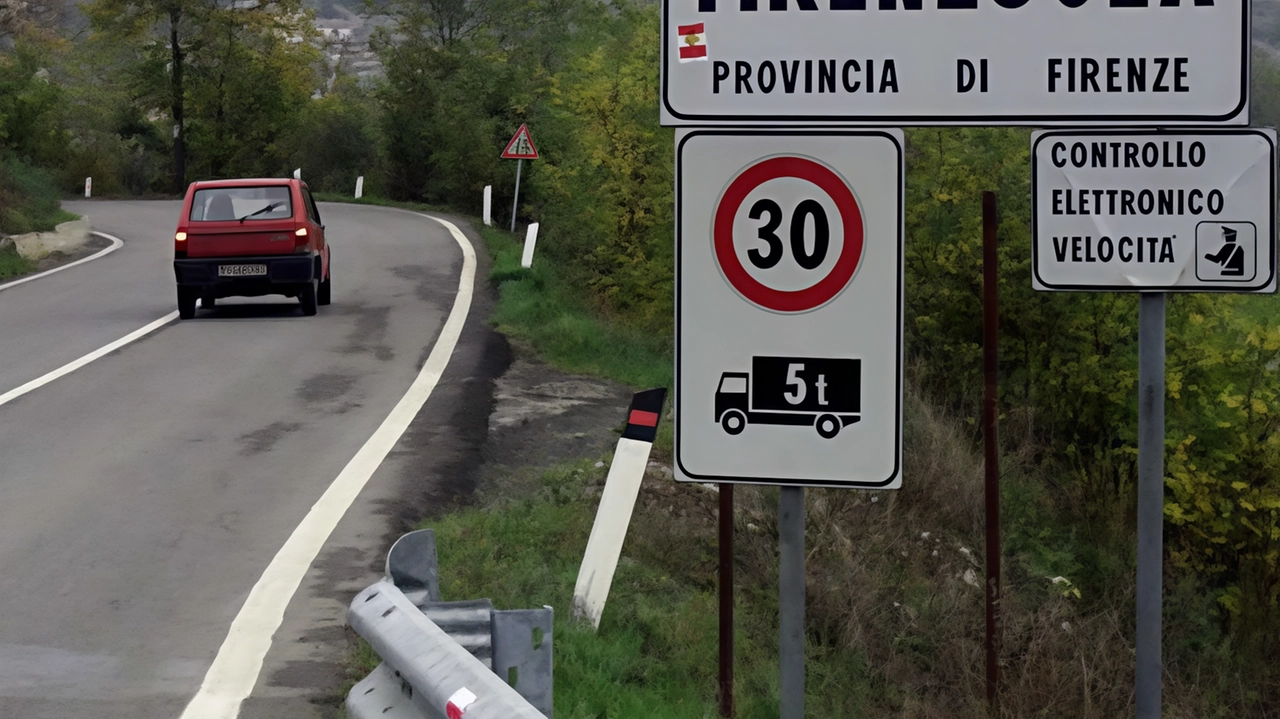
[[143, 495]]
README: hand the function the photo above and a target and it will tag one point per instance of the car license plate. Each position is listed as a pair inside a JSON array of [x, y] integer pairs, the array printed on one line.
[[241, 270]]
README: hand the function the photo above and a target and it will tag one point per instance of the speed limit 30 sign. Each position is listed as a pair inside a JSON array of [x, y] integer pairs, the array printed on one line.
[[789, 307]]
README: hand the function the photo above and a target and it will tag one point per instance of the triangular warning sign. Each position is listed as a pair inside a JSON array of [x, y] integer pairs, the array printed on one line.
[[521, 146]]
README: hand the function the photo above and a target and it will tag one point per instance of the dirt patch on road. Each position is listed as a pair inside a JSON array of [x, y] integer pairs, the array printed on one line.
[[49, 262], [57, 259], [543, 417]]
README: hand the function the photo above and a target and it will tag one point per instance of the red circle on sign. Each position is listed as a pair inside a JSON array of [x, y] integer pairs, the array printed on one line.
[[825, 289]]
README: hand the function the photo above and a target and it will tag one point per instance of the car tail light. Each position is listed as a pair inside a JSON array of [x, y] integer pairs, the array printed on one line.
[[180, 237], [300, 240], [180, 245]]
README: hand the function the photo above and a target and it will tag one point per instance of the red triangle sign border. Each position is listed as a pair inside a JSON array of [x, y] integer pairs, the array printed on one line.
[[517, 150]]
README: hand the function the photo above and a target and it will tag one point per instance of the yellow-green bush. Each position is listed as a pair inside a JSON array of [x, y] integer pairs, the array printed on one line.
[[1224, 465]]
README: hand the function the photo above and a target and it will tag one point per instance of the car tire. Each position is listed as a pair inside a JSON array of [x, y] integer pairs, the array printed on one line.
[[186, 303], [325, 296], [208, 302], [828, 426], [307, 298], [733, 421]]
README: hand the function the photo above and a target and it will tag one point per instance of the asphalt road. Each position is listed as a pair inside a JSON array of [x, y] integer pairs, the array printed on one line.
[[143, 495]]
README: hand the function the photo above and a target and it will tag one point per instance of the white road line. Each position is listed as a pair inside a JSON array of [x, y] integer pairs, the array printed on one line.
[[116, 243], [236, 667], [70, 367]]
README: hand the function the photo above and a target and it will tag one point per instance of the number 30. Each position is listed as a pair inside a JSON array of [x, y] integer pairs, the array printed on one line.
[[821, 234]]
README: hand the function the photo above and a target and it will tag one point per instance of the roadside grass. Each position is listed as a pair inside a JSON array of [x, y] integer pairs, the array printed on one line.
[[525, 553], [655, 654], [14, 265], [894, 599], [540, 306]]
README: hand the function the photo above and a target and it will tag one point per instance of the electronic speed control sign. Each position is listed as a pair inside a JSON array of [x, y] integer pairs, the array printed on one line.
[[1140, 210], [789, 307]]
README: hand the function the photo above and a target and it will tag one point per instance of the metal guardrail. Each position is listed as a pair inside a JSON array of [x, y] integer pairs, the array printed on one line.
[[447, 660]]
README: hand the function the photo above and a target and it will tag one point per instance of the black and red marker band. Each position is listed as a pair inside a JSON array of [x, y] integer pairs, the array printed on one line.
[[646, 410]]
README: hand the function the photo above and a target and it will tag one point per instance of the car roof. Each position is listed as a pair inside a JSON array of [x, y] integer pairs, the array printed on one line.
[[247, 182]]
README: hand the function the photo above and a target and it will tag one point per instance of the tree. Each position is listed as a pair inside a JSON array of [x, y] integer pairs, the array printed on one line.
[[604, 188], [31, 125], [222, 61], [460, 78], [141, 24]]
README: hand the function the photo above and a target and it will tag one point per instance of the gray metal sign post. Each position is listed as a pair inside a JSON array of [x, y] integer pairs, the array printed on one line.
[[791, 601], [1151, 340], [520, 148], [515, 202]]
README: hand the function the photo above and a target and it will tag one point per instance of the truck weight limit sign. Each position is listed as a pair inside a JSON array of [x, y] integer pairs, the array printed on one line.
[[1117, 210], [789, 307], [962, 62]]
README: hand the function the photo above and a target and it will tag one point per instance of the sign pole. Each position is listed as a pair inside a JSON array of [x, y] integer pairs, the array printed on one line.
[[1151, 348], [791, 601], [726, 600], [516, 202], [990, 366], [520, 148]]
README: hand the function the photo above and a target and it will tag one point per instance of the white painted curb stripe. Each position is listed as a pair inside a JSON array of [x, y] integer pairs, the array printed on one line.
[[116, 243], [604, 546], [70, 367], [236, 667]]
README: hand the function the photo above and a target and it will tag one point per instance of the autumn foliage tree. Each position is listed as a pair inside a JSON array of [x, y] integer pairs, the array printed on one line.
[[229, 76]]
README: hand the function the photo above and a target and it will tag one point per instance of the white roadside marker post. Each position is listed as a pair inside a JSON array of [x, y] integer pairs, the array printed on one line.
[[618, 499], [360, 187], [88, 187], [488, 205], [530, 239]]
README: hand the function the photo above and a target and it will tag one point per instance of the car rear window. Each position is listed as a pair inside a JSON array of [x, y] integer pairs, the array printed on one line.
[[232, 203]]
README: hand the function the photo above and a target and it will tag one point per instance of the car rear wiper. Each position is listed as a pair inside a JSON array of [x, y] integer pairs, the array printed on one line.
[[268, 208]]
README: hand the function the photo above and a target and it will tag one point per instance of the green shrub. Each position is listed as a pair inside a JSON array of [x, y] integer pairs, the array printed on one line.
[[12, 264], [29, 200]]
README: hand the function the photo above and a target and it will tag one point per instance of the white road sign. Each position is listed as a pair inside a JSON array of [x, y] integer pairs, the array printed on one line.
[[1136, 210], [789, 307], [963, 62]]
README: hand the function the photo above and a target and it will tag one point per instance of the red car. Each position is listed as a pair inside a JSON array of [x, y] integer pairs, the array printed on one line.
[[249, 238]]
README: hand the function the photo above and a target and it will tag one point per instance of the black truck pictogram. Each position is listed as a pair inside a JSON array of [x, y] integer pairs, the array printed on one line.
[[814, 392]]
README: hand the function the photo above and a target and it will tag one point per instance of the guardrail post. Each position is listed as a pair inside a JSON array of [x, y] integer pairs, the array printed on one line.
[[522, 653], [496, 663]]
